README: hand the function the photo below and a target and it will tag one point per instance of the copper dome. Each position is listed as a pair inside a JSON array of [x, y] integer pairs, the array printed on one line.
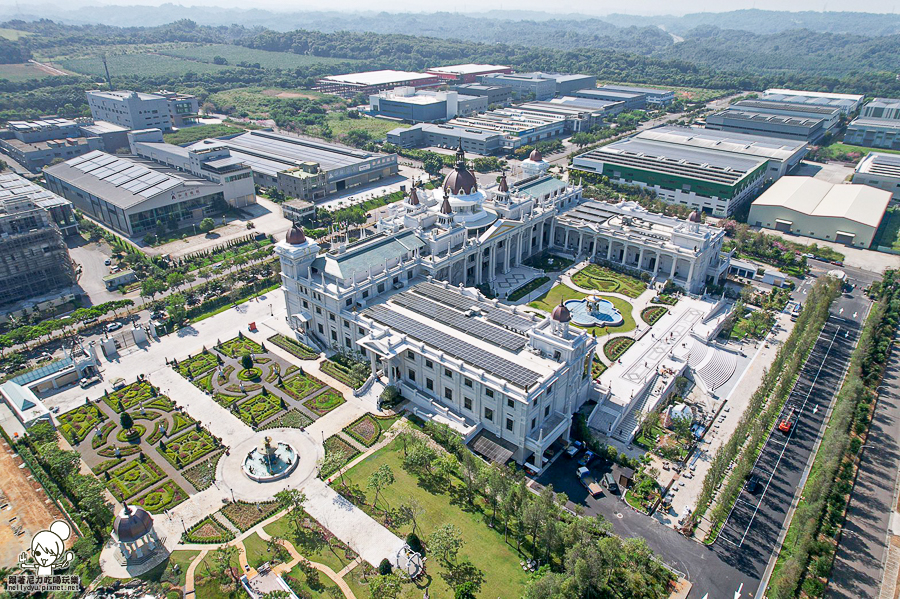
[[535, 155], [460, 181], [132, 523], [295, 236], [561, 313], [694, 217]]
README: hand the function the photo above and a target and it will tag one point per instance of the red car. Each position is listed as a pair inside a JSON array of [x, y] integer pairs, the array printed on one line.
[[786, 424]]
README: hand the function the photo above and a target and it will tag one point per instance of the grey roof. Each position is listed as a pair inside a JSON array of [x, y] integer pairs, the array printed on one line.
[[123, 181], [609, 93], [750, 105], [776, 148], [18, 395], [12, 186], [596, 104], [460, 131], [650, 91], [758, 117], [367, 253], [539, 187], [814, 100], [885, 102], [870, 123], [880, 164]]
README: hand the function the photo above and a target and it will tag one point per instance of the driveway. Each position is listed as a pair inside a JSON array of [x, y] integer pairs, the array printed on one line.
[[91, 257]]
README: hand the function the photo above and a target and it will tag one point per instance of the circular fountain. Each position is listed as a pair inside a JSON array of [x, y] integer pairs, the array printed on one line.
[[270, 461], [594, 311]]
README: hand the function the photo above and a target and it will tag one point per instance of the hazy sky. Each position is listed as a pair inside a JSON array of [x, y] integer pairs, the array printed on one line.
[[598, 7]]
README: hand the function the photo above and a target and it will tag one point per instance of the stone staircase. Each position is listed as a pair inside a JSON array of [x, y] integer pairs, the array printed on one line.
[[717, 367], [626, 429]]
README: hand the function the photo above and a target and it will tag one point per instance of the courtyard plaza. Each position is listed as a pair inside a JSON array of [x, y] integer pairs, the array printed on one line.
[[368, 538]]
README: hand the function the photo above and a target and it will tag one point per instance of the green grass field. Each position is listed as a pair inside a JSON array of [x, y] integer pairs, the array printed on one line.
[[888, 233], [22, 72], [377, 128], [256, 102], [143, 64], [13, 34], [837, 149], [484, 547], [550, 300], [192, 134], [694, 94], [266, 59]]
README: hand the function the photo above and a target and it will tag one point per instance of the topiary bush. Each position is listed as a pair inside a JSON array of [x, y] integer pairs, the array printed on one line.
[[384, 568], [412, 539]]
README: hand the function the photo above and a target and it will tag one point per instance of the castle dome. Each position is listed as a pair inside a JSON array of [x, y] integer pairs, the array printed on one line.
[[694, 217], [561, 313], [461, 181], [295, 236], [535, 155], [132, 523]]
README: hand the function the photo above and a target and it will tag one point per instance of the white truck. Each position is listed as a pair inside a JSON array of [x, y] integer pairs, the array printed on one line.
[[590, 483]]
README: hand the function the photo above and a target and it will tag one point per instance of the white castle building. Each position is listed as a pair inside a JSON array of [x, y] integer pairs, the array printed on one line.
[[405, 298]]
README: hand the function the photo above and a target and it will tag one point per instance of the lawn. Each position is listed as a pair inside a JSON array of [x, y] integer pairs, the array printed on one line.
[[341, 124], [77, 424], [316, 585], [301, 385], [22, 72], [527, 288], [548, 262], [188, 448], [256, 551], [484, 547], [323, 403], [192, 134], [13, 34], [888, 233], [266, 59], [550, 300], [313, 542], [181, 558], [603, 279], [842, 151]]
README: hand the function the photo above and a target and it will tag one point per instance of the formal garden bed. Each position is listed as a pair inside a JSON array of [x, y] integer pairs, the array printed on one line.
[[194, 366], [250, 374], [202, 474], [137, 393], [99, 440], [188, 448], [324, 402], [111, 451], [164, 497], [669, 300], [527, 288], [240, 344], [273, 372], [301, 386], [258, 408], [367, 429], [348, 370], [652, 314], [597, 368], [180, 421], [77, 424], [334, 444], [133, 435], [295, 348], [225, 399], [159, 431], [548, 262], [246, 515], [614, 348], [128, 480], [107, 465], [204, 383], [293, 418], [600, 278], [208, 530]]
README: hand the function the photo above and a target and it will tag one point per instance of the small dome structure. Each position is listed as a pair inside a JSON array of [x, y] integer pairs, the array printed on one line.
[[413, 197], [504, 186], [536, 155], [461, 181], [132, 524], [295, 236], [694, 217], [561, 313]]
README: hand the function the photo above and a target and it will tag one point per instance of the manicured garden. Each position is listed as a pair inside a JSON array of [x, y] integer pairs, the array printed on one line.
[[548, 262], [367, 429], [207, 530], [652, 314], [324, 402], [135, 394], [597, 368], [347, 370], [128, 480], [301, 385], [600, 278], [197, 365], [614, 348], [527, 288], [258, 408], [293, 347], [188, 448], [334, 444], [76, 425], [293, 418], [164, 497], [246, 515], [235, 347], [551, 299], [202, 475]]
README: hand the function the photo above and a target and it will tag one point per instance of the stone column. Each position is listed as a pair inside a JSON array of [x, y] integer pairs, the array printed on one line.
[[540, 240], [580, 243], [552, 233], [641, 259], [374, 361], [674, 264], [609, 245], [508, 251], [493, 270], [690, 276], [479, 258]]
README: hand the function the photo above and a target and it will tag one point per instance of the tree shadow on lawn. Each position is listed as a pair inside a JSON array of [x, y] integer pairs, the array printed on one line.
[[465, 571]]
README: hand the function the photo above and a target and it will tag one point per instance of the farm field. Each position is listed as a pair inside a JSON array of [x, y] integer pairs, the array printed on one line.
[[266, 59], [22, 72], [144, 64]]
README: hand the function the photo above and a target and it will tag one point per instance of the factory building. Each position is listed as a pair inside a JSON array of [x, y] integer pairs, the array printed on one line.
[[519, 126], [35, 259], [577, 118], [131, 194], [881, 171], [607, 109], [372, 82], [830, 114], [847, 103], [655, 97], [629, 100], [424, 106], [466, 73], [304, 168], [136, 110], [540, 86], [497, 95], [878, 125], [810, 130], [848, 214], [474, 141], [706, 179], [35, 144]]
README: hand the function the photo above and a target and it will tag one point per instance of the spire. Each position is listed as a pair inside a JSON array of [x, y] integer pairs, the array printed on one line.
[[504, 186], [413, 197], [460, 155], [445, 207], [125, 509]]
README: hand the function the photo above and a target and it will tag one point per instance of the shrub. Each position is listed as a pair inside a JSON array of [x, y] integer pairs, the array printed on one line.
[[412, 539], [384, 568]]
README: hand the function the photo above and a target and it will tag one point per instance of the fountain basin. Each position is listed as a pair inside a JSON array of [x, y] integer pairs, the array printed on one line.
[[270, 462], [594, 311]]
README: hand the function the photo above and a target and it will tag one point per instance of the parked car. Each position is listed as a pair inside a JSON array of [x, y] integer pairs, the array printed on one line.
[[586, 458], [55, 409], [752, 485], [118, 384], [107, 262], [573, 449], [590, 483], [610, 483], [113, 326], [89, 321], [87, 382], [44, 357]]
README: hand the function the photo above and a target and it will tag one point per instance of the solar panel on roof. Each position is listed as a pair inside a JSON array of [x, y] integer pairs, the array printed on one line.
[[480, 358], [461, 302]]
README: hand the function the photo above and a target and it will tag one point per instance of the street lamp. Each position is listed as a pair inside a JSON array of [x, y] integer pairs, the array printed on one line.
[[183, 526]]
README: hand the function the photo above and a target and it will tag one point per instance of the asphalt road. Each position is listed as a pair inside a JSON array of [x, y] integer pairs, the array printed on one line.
[[735, 564], [858, 569]]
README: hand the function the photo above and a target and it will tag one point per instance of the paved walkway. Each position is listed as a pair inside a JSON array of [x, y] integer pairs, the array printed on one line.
[[862, 551]]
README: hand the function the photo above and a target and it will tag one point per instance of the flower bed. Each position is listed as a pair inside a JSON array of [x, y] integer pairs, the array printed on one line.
[[98, 441], [365, 429], [188, 448], [132, 436], [77, 424], [258, 408], [290, 370], [110, 451], [225, 400], [652, 314], [132, 478], [335, 444], [341, 373], [164, 497], [597, 368], [197, 365], [159, 431], [274, 369], [248, 388], [614, 348], [300, 386], [208, 530], [323, 403], [669, 300], [204, 383], [226, 372], [238, 345], [130, 396], [295, 348], [291, 419], [147, 415], [247, 515], [107, 465], [600, 278], [162, 403], [202, 474], [250, 374], [180, 421]]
